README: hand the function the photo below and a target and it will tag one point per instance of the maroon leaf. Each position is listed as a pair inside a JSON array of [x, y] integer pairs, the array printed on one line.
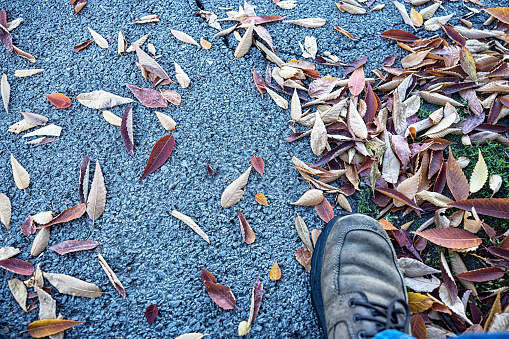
[[496, 107], [17, 266], [449, 237], [220, 294], [3, 18], [499, 252], [6, 38], [73, 246], [151, 313], [494, 207], [404, 240], [28, 226], [260, 84], [441, 179], [354, 65], [84, 44], [148, 97], [126, 129], [401, 198], [399, 35], [69, 214], [59, 100], [371, 104], [246, 230], [324, 210], [333, 153], [472, 122], [258, 164], [207, 276], [83, 179], [454, 35], [257, 296], [481, 275], [159, 154], [210, 170], [492, 128], [456, 179]]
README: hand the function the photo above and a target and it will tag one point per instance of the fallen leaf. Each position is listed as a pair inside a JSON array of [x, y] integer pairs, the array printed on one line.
[[73, 246], [34, 119], [82, 45], [147, 18], [325, 211], [468, 64], [101, 99], [494, 207], [48, 305], [318, 136], [312, 197], [49, 130], [452, 238], [41, 240], [479, 175], [233, 193], [113, 119], [275, 272], [448, 279], [205, 44], [171, 96], [308, 23], [496, 308], [399, 197], [5, 210], [6, 92], [221, 295], [190, 222], [501, 13], [481, 275], [260, 84], [256, 300], [20, 175], [21, 53], [66, 284], [99, 40], [346, 33], [6, 38], [209, 168], [279, 100], [404, 14], [456, 180], [19, 292], [296, 108], [247, 233], [495, 183], [43, 217], [149, 64], [148, 97], [182, 77], [184, 37], [303, 232], [44, 328], [419, 302], [158, 155], [455, 306], [261, 199], [111, 275], [416, 19], [79, 6], [69, 214], [126, 129], [137, 43], [191, 336], [414, 268], [59, 100], [83, 183], [121, 43], [258, 164], [151, 313], [399, 35], [8, 252], [97, 197], [17, 266], [166, 121], [245, 43], [303, 256], [357, 81], [287, 4]]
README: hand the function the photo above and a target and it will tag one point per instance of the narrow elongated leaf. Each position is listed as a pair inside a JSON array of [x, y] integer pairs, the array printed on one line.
[[21, 53], [355, 122], [41, 240], [256, 300], [17, 266], [260, 84], [481, 275], [150, 64], [467, 63], [182, 77], [308, 23], [494, 207], [184, 37], [190, 222], [303, 232], [19, 292], [5, 210], [245, 43], [97, 198], [101, 99], [126, 129], [233, 193], [296, 108], [84, 174], [258, 164], [148, 97], [151, 313], [479, 175], [318, 136], [400, 197], [310, 198], [99, 40], [158, 155], [48, 305], [69, 214], [6, 92], [399, 35], [111, 275], [404, 14], [19, 173], [246, 231], [8, 252], [448, 278], [414, 268], [73, 286], [73, 246], [324, 210], [452, 238], [279, 100], [50, 130], [456, 180], [34, 119], [458, 266], [6, 38], [82, 45], [44, 328], [21, 73]]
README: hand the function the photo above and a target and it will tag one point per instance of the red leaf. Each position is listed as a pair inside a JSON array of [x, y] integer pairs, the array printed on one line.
[[17, 266], [324, 210], [401, 198], [454, 35], [207, 276], [371, 104], [28, 226], [220, 294], [260, 84], [247, 233], [399, 35], [171, 96], [450, 237], [159, 154], [357, 81], [210, 170], [258, 164], [151, 313], [499, 252], [84, 44], [73, 246], [481, 275], [418, 327], [126, 129], [69, 214], [262, 19], [59, 100], [148, 97], [494, 207], [456, 179]]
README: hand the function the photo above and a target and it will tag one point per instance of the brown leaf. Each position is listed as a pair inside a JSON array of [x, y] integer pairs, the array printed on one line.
[[44, 328], [452, 238], [19, 292], [28, 227], [111, 275], [220, 294], [22, 54], [449, 283], [262, 19], [454, 35], [258, 164], [275, 272], [79, 6], [73, 286], [159, 154], [261, 199], [148, 97], [6, 38], [81, 46], [418, 326], [149, 64], [171, 96], [325, 211], [303, 256], [346, 33], [41, 240], [501, 13], [245, 43], [209, 168], [73, 246], [260, 84], [399, 35], [481, 275], [59, 100], [17, 266], [151, 313], [247, 233], [357, 81], [126, 129], [69, 214], [494, 207], [456, 179], [495, 309], [419, 302]]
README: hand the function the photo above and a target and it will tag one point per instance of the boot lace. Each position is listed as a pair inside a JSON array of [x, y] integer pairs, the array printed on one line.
[[385, 317]]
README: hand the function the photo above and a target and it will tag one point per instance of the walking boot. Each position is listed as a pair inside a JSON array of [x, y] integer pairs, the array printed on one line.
[[357, 289]]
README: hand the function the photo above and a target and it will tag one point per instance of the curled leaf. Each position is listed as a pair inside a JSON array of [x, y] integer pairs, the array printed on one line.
[[111, 275], [190, 222]]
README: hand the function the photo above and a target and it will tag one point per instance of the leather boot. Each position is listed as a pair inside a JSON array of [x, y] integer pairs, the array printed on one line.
[[357, 289]]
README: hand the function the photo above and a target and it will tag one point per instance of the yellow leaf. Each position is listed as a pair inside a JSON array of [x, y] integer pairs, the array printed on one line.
[[495, 309], [43, 328], [416, 17], [275, 272], [419, 302], [205, 44], [479, 175], [467, 63], [261, 199]]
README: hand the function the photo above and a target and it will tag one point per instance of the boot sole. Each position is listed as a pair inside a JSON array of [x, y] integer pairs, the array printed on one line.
[[316, 273]]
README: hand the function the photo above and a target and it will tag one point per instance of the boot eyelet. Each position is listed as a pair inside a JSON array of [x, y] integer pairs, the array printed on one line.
[[351, 302], [356, 319], [361, 335]]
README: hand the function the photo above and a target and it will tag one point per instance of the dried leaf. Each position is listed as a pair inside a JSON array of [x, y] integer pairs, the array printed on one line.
[[399, 197], [325, 211], [209, 168], [355, 122], [479, 175], [5, 210], [66, 284], [260, 84], [69, 214], [303, 256], [391, 165], [6, 92], [8, 252], [83, 184], [481, 275], [258, 164], [275, 272], [148, 97], [182, 77], [50, 130], [121, 43], [303, 232], [459, 267], [151, 313], [419, 302], [435, 23], [79, 6], [48, 305], [435, 198], [34, 119], [41, 240], [414, 268], [494, 207], [318, 136], [205, 44], [19, 292], [245, 43], [44, 328], [73, 246], [357, 81], [344, 32], [43, 217], [261, 199], [21, 53], [399, 35], [191, 336], [279, 100], [185, 38], [82, 45], [126, 129], [59, 100], [99, 40], [6, 38], [452, 238], [467, 63], [113, 119], [404, 14], [310, 198], [233, 193], [147, 18], [97, 197], [171, 96], [456, 180], [190, 222], [149, 64], [308, 23], [17, 266], [247, 233], [449, 283], [455, 306], [111, 275], [20, 175], [495, 183], [158, 155], [138, 43], [501, 13], [101, 99], [416, 19], [256, 300], [221, 295], [166, 121]]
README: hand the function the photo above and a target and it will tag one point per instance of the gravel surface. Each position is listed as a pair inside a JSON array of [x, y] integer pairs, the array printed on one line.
[[222, 120]]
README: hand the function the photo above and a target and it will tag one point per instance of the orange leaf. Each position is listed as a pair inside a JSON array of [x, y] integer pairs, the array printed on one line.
[[356, 81], [452, 238], [59, 100], [387, 225], [43, 328], [456, 179], [258, 164], [324, 210], [261, 199], [501, 13], [347, 34], [246, 230], [275, 272]]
